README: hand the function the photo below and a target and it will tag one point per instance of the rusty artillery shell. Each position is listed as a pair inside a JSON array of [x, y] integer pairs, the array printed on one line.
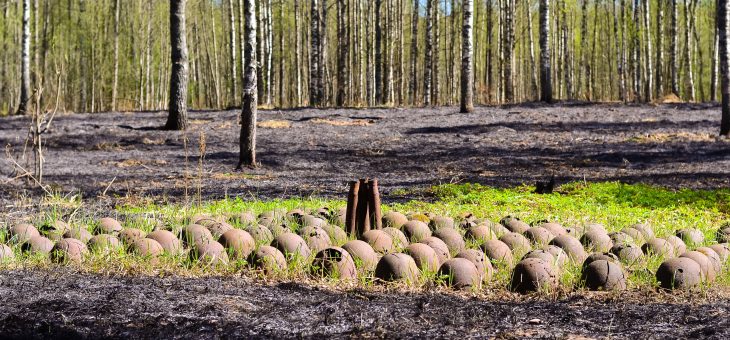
[[351, 215], [363, 214], [374, 203]]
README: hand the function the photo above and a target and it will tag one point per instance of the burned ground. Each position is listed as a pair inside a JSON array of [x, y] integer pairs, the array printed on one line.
[[309, 151], [315, 152], [61, 303]]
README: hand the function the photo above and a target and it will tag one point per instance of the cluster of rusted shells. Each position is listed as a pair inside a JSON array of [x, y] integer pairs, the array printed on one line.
[[409, 248]]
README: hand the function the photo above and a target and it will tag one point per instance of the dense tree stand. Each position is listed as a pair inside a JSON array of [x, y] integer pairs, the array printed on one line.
[[96, 56]]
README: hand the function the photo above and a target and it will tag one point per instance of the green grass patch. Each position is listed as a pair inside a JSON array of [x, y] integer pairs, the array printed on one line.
[[614, 204]]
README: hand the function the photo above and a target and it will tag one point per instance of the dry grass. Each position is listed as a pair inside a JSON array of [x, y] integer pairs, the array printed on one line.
[[200, 121], [274, 124], [662, 137], [148, 141], [670, 99], [369, 152], [240, 175], [107, 146], [225, 125], [131, 163], [334, 122], [58, 201]]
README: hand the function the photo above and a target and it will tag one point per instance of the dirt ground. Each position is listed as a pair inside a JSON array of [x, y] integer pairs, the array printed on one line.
[[59, 303], [309, 151], [305, 152]]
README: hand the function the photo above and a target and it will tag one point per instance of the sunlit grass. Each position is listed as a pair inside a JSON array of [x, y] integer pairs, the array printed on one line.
[[613, 204]]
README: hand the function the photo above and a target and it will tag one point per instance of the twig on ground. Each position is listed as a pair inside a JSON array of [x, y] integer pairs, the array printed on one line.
[[108, 186], [25, 173]]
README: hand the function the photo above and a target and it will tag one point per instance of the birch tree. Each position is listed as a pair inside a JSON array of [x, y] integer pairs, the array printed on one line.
[[508, 50], [546, 88], [343, 50], [247, 145], [531, 46], [585, 66], [115, 82], [233, 47], [467, 53], [297, 55], [177, 118], [451, 61], [636, 52], [388, 59], [428, 64], [566, 60], [25, 61], [315, 61], [688, 13], [649, 83], [435, 77], [324, 70], [674, 48], [282, 59], [378, 53], [723, 25], [618, 23], [413, 83], [269, 50], [488, 60], [715, 64], [660, 50]]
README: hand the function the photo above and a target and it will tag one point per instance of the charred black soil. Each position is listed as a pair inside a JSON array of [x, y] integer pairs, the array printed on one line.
[[60, 303], [309, 151]]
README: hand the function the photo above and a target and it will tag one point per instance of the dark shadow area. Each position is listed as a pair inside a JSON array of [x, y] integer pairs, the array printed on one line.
[[142, 128], [171, 307], [564, 127]]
